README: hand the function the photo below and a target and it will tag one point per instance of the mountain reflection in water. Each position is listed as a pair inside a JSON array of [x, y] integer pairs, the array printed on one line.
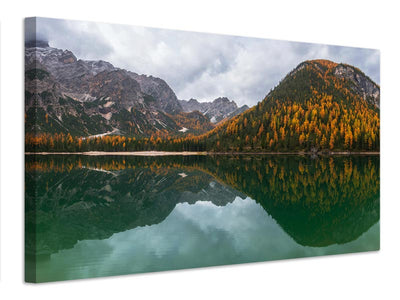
[[112, 215]]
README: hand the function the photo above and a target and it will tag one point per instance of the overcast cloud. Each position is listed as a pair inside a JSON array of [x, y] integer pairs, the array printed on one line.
[[198, 65]]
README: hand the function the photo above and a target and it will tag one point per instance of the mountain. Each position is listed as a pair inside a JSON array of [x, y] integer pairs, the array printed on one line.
[[64, 94], [319, 106], [216, 111]]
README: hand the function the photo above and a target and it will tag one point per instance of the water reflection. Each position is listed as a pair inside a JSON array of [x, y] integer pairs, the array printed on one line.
[[98, 216]]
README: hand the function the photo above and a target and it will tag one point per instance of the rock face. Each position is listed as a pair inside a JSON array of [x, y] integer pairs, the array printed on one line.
[[193, 105], [158, 89], [217, 110], [65, 94], [362, 84]]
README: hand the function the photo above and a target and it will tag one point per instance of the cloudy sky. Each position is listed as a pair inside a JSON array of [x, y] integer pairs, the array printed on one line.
[[197, 65]]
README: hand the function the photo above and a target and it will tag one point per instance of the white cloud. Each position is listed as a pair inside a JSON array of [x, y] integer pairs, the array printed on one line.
[[199, 65]]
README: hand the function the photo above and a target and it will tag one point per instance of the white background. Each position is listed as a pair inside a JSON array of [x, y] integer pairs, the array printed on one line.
[[371, 24]]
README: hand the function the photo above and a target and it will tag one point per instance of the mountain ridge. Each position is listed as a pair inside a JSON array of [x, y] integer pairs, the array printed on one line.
[[68, 95], [83, 97], [217, 110]]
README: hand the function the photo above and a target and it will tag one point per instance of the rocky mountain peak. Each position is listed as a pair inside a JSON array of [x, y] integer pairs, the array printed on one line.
[[68, 57], [160, 90], [216, 110], [223, 100], [193, 101], [361, 83]]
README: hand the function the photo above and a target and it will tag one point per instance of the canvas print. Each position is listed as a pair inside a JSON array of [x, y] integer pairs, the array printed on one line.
[[151, 149]]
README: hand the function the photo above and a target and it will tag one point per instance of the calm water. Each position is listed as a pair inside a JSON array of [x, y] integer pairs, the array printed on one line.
[[101, 216]]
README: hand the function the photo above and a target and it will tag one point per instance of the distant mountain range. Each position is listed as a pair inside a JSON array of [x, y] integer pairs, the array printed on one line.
[[64, 94], [216, 111]]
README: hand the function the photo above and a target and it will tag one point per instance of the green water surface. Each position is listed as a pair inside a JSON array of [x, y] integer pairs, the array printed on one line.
[[113, 215]]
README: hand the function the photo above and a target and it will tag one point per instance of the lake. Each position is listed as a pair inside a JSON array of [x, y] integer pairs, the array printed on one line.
[[91, 216]]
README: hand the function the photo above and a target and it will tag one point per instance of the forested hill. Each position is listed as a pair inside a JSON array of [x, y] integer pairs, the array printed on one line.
[[320, 105]]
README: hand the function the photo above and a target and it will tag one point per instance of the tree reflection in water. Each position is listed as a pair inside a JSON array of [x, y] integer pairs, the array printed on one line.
[[317, 202]]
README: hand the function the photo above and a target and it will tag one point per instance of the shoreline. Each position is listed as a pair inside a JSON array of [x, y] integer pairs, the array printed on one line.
[[187, 153], [104, 153]]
